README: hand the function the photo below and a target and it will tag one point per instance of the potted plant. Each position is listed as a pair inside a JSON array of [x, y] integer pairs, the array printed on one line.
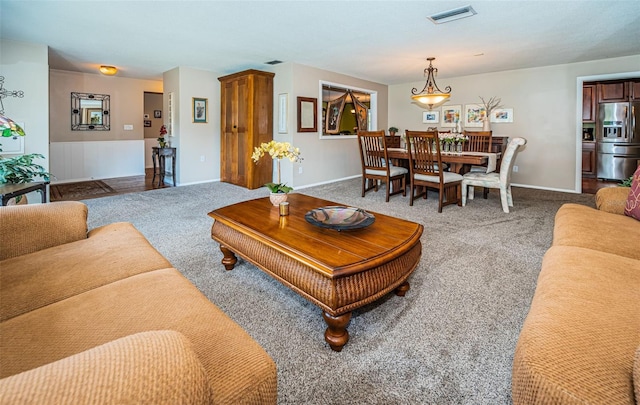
[[277, 151], [161, 141], [393, 131], [19, 169]]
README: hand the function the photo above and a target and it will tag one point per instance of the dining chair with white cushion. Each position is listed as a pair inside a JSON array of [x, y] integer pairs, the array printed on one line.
[[425, 162], [500, 180], [376, 166]]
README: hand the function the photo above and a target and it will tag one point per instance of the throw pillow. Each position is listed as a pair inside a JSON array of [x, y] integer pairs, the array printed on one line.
[[632, 208]]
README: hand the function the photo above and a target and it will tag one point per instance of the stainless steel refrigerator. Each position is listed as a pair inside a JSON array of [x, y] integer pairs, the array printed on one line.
[[618, 140]]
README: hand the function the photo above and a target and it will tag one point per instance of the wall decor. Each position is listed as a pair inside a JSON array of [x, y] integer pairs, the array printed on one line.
[[430, 117], [283, 111], [307, 114], [90, 112], [4, 93], [147, 123], [146, 116], [157, 113], [501, 115], [473, 115], [200, 112], [334, 114], [451, 114]]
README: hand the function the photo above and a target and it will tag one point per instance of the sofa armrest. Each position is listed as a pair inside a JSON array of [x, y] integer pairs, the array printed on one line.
[[612, 199], [155, 367], [29, 228]]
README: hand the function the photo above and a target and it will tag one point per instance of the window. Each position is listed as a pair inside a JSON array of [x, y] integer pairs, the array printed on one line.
[[345, 109]]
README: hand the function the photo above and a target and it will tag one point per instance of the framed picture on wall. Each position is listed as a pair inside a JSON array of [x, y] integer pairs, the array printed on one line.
[[157, 113], [430, 117], [200, 112], [451, 114], [147, 123], [501, 115], [473, 115]]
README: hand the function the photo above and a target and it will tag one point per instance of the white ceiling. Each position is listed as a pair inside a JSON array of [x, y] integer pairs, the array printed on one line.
[[382, 41]]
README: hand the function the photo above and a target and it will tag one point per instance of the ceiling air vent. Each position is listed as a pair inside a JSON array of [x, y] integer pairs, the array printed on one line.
[[273, 62], [451, 15]]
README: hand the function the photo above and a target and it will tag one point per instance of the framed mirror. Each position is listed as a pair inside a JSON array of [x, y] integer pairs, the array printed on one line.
[[90, 112]]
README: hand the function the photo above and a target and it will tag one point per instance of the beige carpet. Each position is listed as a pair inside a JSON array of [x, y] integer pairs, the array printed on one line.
[[81, 190]]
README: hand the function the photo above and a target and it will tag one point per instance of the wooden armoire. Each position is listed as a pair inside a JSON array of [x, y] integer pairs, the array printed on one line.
[[246, 121]]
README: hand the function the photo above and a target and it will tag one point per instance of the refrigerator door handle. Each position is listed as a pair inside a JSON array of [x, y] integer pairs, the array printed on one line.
[[625, 124]]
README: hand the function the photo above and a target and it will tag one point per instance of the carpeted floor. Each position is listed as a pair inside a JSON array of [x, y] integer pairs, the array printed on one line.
[[450, 340], [80, 190]]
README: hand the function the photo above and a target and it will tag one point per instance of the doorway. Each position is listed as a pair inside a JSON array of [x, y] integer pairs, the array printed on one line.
[[154, 118]]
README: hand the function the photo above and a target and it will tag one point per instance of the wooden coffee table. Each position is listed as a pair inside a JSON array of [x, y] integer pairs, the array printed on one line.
[[338, 271]]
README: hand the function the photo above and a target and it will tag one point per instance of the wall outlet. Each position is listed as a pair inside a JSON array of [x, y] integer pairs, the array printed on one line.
[[128, 127], [300, 170], [515, 169], [202, 158]]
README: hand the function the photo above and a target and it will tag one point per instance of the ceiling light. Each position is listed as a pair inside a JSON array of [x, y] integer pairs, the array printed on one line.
[[108, 70], [274, 62], [452, 15], [431, 94]]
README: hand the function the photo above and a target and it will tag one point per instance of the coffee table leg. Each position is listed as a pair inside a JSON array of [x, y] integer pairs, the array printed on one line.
[[336, 334], [229, 260], [402, 289]]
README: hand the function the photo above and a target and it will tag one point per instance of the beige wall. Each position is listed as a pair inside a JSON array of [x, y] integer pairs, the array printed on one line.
[[325, 160], [153, 102], [127, 105], [547, 112], [198, 144]]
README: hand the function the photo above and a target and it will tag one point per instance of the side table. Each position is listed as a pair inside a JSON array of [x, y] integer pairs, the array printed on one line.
[[159, 156], [8, 191]]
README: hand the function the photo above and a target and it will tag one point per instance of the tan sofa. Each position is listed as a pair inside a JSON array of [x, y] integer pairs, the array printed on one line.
[[102, 317], [582, 333]]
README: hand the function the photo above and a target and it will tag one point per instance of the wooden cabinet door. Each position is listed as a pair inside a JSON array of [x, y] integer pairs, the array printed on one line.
[[588, 103], [613, 92], [588, 159], [635, 91], [234, 145]]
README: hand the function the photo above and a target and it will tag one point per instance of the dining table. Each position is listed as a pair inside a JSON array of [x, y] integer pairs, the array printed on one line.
[[459, 162]]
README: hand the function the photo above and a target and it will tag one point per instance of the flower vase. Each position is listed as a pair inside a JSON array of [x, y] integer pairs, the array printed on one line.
[[459, 147], [277, 198], [486, 124]]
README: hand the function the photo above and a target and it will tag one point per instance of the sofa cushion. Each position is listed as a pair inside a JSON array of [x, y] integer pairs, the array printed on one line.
[[612, 199], [162, 363], [29, 228], [111, 252], [582, 226], [578, 341], [632, 207], [636, 375], [239, 370]]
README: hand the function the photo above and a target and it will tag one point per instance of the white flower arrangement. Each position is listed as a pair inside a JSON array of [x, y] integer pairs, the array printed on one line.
[[277, 151]]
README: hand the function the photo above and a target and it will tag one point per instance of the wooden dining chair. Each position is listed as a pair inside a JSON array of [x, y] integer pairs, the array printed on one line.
[[479, 141], [424, 172], [501, 181], [376, 166]]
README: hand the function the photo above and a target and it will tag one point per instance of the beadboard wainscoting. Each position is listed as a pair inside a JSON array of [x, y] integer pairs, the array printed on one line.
[[80, 161]]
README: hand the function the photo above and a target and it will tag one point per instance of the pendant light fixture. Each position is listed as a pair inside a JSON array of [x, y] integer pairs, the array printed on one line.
[[108, 70], [431, 94]]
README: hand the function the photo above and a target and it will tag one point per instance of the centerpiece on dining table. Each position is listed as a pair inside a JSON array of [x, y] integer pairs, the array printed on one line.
[[452, 142], [277, 151]]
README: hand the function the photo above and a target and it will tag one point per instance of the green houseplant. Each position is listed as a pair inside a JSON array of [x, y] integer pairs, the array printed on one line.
[[22, 168], [393, 131]]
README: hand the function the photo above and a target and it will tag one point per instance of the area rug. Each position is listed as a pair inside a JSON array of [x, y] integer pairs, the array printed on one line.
[[81, 190], [450, 340]]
